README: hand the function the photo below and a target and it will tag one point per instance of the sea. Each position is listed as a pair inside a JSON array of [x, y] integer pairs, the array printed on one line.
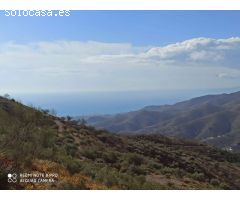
[[101, 103]]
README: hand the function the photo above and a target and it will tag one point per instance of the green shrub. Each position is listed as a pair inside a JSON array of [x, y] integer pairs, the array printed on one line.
[[214, 182], [71, 149], [155, 165], [90, 154], [198, 176], [168, 170], [135, 159], [138, 170], [73, 165], [110, 157]]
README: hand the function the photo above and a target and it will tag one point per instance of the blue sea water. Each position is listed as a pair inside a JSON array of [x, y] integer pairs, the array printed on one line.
[[96, 103]]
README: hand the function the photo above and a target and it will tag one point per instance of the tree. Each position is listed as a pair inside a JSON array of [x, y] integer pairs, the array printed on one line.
[[69, 118]]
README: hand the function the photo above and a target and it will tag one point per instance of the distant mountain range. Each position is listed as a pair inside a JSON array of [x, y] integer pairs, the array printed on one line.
[[214, 119]]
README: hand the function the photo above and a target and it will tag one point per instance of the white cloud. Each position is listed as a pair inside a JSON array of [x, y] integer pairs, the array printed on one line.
[[74, 65], [200, 52], [229, 75]]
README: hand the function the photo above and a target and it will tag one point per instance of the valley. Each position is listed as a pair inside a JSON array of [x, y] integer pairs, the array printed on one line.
[[214, 119]]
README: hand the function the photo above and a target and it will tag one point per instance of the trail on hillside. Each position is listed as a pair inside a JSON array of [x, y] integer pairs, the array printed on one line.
[[60, 126]]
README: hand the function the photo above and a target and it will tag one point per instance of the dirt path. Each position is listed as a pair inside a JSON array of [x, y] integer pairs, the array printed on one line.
[[60, 126]]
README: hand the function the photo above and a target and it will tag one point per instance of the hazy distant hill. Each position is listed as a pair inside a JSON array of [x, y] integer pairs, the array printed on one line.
[[85, 158], [212, 118]]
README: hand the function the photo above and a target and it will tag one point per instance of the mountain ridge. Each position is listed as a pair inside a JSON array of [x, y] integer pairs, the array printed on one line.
[[209, 118]]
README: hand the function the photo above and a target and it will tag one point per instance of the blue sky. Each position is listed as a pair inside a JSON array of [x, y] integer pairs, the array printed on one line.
[[120, 51], [135, 27]]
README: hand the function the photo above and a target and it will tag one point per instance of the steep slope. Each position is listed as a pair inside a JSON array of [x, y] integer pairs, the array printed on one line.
[[32, 141], [213, 118]]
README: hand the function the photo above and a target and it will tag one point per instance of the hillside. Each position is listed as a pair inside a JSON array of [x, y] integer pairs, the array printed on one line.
[[214, 119], [85, 158]]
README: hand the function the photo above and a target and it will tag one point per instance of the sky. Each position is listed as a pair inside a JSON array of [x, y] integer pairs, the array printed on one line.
[[94, 51]]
